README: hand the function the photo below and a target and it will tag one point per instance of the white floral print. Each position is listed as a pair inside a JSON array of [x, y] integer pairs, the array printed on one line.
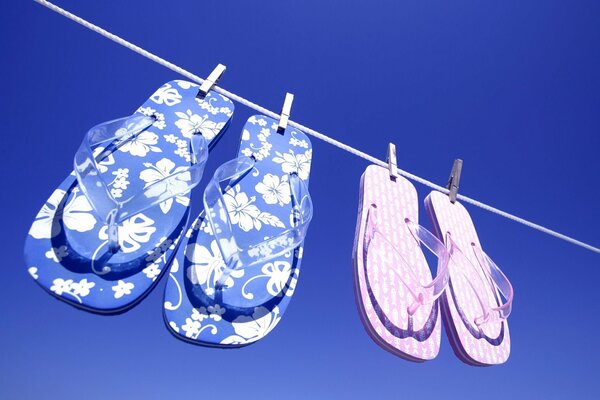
[[133, 231], [249, 329], [260, 121], [170, 138], [76, 215], [183, 150], [141, 144], [265, 188], [259, 153], [190, 124], [75, 289], [193, 325], [274, 190], [295, 163], [82, 288], [245, 214], [298, 143], [59, 285], [159, 118], [208, 266], [242, 211], [191, 328], [208, 106], [247, 152], [119, 183], [167, 95], [122, 288], [155, 175], [152, 271], [57, 254]]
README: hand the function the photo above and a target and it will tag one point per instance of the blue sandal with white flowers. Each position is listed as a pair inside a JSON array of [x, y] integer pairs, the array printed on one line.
[[237, 267], [103, 238]]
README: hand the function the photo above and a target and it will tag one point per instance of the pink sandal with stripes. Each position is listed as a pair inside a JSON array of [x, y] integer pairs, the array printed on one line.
[[395, 292]]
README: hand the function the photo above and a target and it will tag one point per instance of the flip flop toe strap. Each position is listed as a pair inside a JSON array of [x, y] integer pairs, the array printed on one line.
[[217, 214], [103, 140], [490, 286], [377, 242]]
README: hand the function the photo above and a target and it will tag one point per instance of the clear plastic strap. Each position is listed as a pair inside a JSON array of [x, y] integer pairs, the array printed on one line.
[[217, 214], [421, 293], [501, 282], [109, 136], [493, 278]]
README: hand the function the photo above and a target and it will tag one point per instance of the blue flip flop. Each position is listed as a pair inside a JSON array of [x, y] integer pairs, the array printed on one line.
[[105, 236], [236, 270]]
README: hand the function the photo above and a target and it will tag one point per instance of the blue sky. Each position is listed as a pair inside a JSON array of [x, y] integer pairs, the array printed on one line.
[[512, 88]]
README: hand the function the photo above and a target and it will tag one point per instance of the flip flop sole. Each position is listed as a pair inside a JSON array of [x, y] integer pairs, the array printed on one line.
[[67, 239], [459, 304], [381, 296], [259, 206]]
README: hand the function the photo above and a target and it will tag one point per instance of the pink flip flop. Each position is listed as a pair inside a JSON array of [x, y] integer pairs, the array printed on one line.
[[478, 298], [395, 293]]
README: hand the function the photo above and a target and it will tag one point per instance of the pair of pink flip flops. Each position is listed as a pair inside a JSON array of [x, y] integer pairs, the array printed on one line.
[[399, 299]]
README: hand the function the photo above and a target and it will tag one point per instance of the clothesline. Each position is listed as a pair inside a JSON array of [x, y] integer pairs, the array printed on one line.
[[306, 129]]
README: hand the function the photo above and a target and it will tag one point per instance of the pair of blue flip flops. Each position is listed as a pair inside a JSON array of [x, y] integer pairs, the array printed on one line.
[[113, 228]]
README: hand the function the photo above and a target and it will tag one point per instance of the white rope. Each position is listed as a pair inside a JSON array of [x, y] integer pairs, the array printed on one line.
[[305, 129]]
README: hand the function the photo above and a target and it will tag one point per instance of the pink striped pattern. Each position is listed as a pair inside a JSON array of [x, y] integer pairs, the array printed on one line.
[[381, 297], [454, 218]]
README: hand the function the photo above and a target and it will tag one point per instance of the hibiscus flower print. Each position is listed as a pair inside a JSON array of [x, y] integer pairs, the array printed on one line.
[[274, 190], [242, 211], [141, 144], [295, 163], [245, 214], [158, 186], [76, 215], [190, 124], [207, 266]]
